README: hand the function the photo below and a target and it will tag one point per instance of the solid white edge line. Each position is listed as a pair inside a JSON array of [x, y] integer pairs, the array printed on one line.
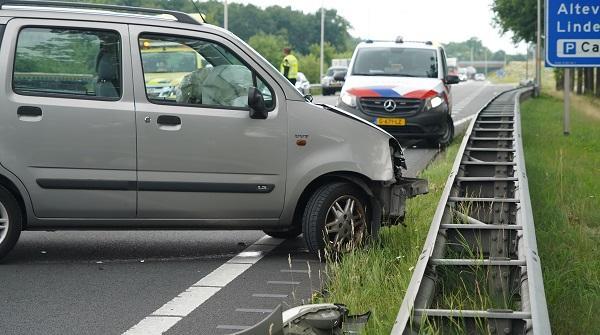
[[169, 314]]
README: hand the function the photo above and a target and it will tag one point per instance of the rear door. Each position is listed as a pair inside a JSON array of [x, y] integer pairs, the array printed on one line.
[[200, 155], [67, 127]]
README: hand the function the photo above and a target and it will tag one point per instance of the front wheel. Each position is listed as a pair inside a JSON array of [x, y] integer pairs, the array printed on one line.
[[335, 219], [447, 134], [10, 221]]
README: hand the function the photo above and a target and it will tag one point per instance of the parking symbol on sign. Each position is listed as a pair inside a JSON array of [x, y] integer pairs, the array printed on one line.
[[569, 48]]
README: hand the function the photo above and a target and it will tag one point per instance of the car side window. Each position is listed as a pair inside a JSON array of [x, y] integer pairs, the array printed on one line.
[[68, 62], [189, 71]]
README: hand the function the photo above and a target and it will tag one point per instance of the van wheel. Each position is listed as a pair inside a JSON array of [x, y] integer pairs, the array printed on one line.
[[10, 221], [335, 219], [285, 234], [447, 136]]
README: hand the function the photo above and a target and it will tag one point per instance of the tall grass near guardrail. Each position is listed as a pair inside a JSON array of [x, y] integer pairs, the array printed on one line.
[[564, 185], [375, 278]]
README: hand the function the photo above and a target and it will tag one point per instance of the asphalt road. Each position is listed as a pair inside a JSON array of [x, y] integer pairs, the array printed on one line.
[[180, 282]]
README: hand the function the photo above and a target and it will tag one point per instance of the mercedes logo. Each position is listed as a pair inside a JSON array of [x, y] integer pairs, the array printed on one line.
[[389, 105]]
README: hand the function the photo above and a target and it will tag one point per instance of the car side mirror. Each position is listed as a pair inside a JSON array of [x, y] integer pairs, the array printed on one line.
[[256, 102], [340, 76], [452, 79]]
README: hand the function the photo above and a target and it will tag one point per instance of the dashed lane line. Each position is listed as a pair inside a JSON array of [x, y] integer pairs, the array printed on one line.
[[165, 317], [269, 295]]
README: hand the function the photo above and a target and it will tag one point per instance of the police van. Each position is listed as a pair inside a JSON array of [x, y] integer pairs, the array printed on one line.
[[403, 87]]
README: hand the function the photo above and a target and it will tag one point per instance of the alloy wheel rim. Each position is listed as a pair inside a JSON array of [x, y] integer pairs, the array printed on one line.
[[4, 222], [345, 224]]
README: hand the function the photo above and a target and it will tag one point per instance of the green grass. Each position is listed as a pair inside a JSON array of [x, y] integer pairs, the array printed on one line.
[[376, 278], [516, 71], [564, 183]]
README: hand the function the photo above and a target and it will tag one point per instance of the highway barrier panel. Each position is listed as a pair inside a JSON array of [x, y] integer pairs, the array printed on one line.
[[479, 271]]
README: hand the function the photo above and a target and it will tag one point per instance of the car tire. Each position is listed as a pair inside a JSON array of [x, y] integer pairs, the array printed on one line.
[[11, 221], [285, 234], [336, 220], [446, 138], [326, 91]]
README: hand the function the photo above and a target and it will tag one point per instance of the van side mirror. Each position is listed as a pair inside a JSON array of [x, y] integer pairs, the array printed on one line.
[[452, 79], [340, 76], [256, 102]]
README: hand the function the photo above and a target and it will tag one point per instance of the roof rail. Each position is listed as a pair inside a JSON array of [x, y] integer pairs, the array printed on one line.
[[179, 16]]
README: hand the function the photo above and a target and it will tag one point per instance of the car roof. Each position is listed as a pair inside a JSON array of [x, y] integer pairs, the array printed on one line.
[[161, 19], [391, 44]]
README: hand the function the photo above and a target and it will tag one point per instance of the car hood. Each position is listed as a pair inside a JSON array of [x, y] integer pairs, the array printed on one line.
[[393, 87]]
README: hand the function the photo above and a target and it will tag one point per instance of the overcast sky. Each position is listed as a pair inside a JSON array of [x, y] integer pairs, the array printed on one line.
[[438, 20]]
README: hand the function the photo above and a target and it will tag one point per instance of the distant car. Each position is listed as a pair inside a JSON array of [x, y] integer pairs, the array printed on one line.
[[302, 84], [463, 77], [330, 85], [479, 76]]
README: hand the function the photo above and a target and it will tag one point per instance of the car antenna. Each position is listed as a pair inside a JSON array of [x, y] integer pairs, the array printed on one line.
[[198, 10]]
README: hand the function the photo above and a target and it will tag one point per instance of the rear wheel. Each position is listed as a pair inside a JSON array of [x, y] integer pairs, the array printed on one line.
[[335, 219], [10, 221], [326, 91]]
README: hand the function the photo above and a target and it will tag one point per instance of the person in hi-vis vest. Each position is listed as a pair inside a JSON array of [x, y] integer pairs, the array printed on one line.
[[289, 66]]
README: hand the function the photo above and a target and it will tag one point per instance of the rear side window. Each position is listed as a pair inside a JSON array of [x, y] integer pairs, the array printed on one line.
[[68, 62]]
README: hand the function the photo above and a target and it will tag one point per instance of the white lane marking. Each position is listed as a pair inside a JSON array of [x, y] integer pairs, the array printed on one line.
[[232, 327], [223, 275], [463, 120], [283, 282], [186, 302], [269, 295], [294, 271], [194, 296], [254, 310], [157, 323], [466, 101]]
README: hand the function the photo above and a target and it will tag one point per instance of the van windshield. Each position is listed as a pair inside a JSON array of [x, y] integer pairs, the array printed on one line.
[[401, 62], [173, 61]]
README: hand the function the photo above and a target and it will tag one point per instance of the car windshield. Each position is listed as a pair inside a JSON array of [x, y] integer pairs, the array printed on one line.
[[392, 61]]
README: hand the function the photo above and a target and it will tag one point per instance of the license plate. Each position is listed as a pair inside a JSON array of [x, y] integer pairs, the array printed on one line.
[[390, 121]]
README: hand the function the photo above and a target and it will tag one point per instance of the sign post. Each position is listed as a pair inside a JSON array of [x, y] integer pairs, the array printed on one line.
[[567, 99], [572, 39]]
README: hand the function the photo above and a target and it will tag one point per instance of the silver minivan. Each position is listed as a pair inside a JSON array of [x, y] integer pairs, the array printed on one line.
[[87, 141]]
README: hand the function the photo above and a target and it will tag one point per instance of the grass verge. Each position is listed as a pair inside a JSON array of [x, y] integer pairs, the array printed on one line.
[[515, 71], [376, 278], [564, 184]]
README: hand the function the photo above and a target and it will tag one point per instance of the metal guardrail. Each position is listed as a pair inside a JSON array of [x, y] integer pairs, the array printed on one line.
[[479, 272]]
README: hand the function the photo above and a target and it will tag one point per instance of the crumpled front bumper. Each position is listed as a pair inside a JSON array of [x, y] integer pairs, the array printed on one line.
[[393, 197]]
